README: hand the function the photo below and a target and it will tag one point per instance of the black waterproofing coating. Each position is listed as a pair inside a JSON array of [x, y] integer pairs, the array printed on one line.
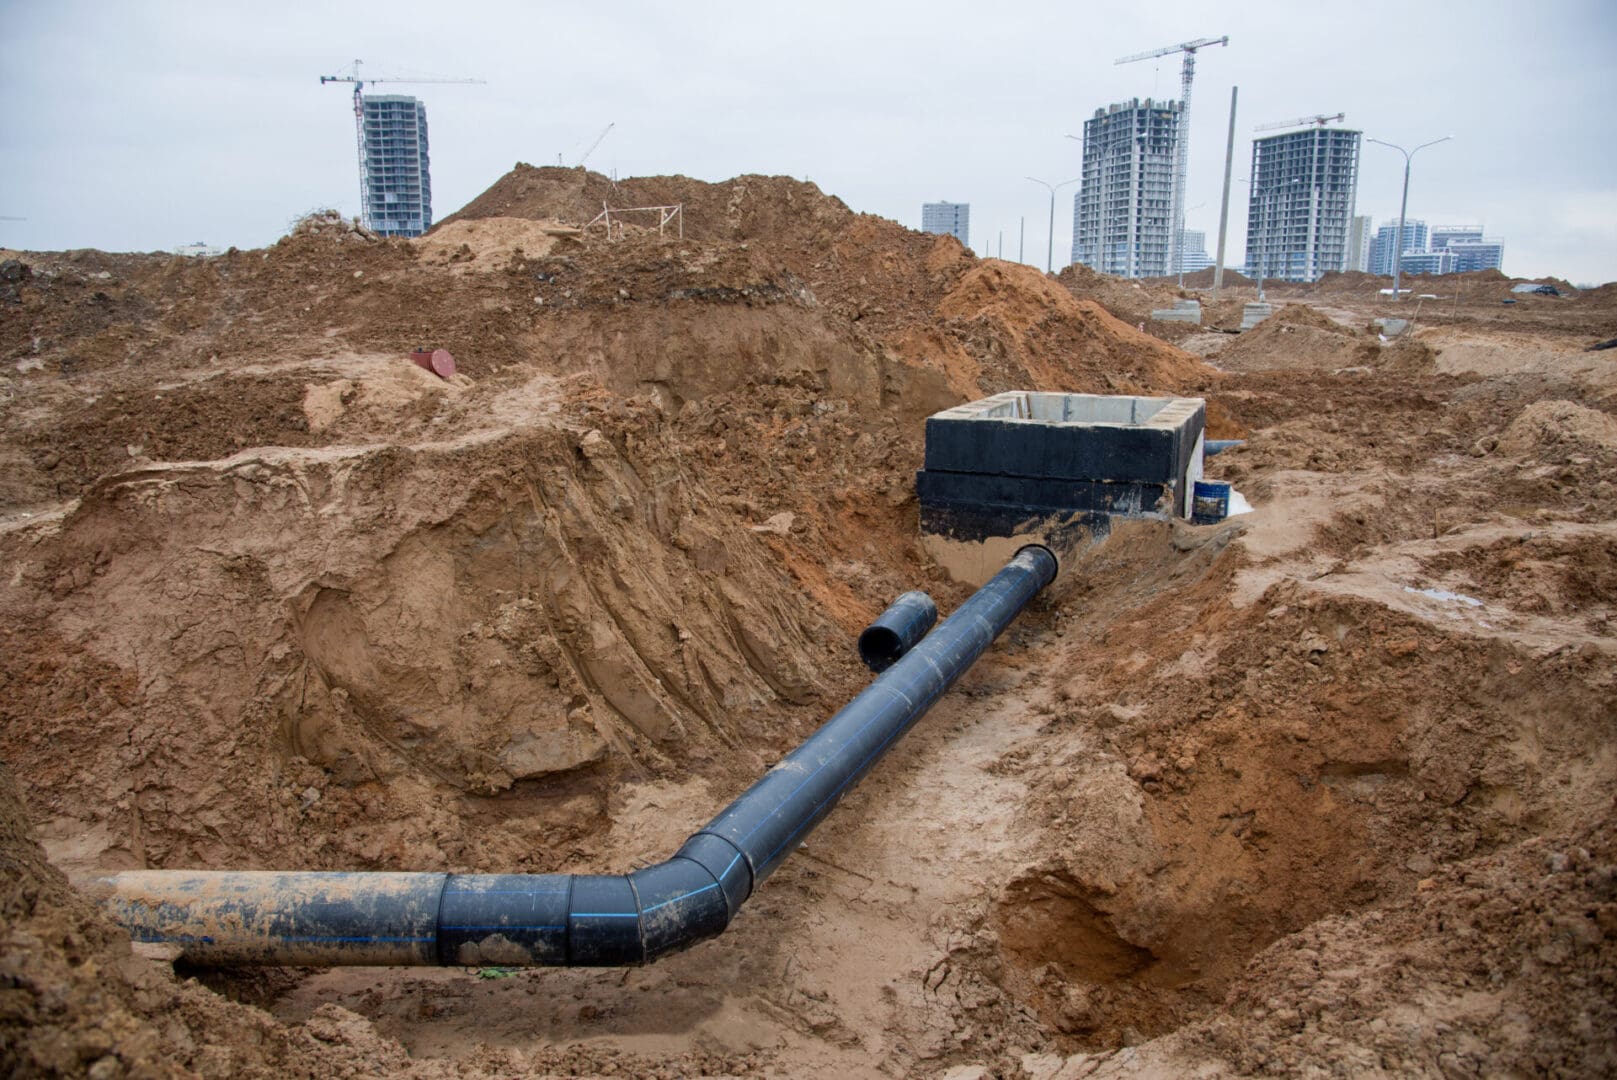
[[266, 917], [896, 630]]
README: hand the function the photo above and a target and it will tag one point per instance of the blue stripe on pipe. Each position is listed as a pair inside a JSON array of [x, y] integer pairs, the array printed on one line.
[[683, 896], [604, 914], [481, 928]]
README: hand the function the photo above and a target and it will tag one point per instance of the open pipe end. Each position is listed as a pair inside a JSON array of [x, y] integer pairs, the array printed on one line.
[[880, 648], [1040, 558], [897, 630]]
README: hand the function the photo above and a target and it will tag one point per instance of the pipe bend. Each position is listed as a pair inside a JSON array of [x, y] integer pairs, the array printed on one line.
[[591, 920], [681, 903], [581, 920], [588, 920]]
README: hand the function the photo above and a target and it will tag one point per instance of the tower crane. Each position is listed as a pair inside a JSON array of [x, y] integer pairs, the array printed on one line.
[[359, 82], [579, 164], [1187, 73], [1320, 119]]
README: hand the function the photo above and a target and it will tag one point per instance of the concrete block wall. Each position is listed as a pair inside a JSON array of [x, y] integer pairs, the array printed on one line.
[[1024, 463]]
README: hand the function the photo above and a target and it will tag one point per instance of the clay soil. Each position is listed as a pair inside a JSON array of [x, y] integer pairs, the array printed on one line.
[[1327, 789]]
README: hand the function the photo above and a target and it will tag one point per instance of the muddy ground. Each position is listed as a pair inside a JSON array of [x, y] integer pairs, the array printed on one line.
[[1324, 790]]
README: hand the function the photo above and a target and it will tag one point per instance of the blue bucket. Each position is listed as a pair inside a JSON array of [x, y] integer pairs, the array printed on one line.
[[1209, 502]]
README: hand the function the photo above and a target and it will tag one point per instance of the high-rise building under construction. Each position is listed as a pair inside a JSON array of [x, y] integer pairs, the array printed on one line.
[[1122, 216], [398, 187], [1300, 213], [953, 218]]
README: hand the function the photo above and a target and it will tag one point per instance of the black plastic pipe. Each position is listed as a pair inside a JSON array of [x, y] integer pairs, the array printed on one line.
[[897, 630], [297, 918]]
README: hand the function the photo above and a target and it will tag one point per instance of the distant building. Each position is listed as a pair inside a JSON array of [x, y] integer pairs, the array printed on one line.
[[1477, 255], [1381, 249], [951, 218], [1359, 239], [1122, 216], [1450, 249], [198, 250], [1428, 262], [398, 187], [1194, 255], [1304, 185], [1445, 235]]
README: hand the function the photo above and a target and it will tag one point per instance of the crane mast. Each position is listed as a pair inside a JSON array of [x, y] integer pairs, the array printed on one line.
[[1187, 75]]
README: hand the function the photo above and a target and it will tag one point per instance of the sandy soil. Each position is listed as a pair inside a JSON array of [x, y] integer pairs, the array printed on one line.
[[1325, 790]]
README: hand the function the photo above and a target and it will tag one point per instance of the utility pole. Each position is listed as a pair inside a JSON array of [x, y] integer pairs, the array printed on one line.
[[1224, 208], [1050, 249], [1403, 210], [1021, 241]]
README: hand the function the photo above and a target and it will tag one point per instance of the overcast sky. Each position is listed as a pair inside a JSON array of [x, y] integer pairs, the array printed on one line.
[[143, 125]]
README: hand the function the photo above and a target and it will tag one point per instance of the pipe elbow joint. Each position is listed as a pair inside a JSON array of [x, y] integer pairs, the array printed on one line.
[[691, 897]]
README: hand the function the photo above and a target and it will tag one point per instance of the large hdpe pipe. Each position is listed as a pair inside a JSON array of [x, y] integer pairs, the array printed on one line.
[[600, 920]]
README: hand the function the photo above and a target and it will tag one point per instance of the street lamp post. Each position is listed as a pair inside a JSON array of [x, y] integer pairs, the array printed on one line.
[[1403, 210], [1050, 248]]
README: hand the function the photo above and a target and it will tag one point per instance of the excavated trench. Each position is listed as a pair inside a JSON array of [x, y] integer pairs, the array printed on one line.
[[1189, 780], [562, 664]]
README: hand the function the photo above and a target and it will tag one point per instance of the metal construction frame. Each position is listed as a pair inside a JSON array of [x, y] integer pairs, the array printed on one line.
[[666, 215]]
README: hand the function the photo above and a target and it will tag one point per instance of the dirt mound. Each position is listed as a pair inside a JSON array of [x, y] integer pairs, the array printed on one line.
[[1298, 336], [1130, 301], [1555, 430], [1043, 336], [1350, 283], [1600, 296], [779, 209], [1310, 792], [608, 625], [482, 244], [1203, 279], [1491, 943], [963, 327], [1357, 283]]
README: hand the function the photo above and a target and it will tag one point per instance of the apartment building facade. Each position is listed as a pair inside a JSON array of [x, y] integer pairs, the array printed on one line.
[[1300, 210], [1122, 216]]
